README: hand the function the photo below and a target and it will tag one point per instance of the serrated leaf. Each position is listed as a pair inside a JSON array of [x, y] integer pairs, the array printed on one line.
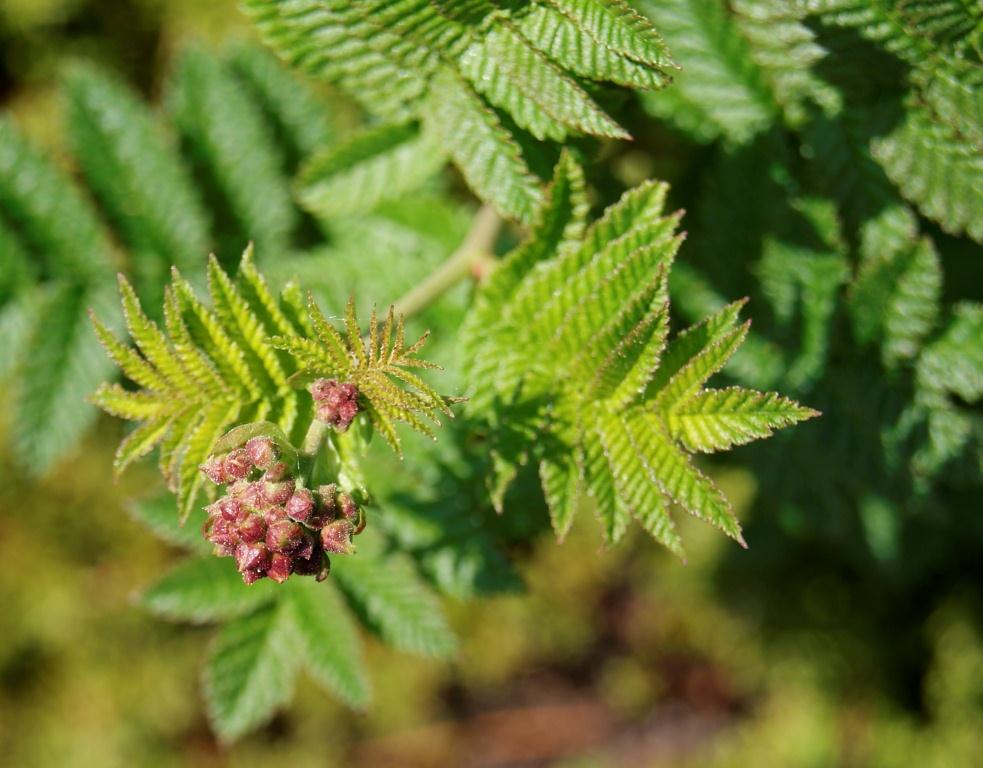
[[251, 670], [331, 646], [159, 515], [488, 157], [716, 420], [391, 601], [354, 176], [207, 589]]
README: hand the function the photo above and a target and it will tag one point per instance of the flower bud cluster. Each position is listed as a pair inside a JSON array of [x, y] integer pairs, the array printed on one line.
[[271, 526], [336, 402]]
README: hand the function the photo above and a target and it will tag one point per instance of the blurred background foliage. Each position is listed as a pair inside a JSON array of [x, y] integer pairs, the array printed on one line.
[[846, 636]]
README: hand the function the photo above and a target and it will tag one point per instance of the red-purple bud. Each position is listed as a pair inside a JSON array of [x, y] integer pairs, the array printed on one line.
[[285, 536], [252, 575], [214, 470], [252, 529], [222, 534], [306, 548], [277, 494], [237, 465], [350, 511], [252, 557], [316, 565], [337, 403], [230, 509], [300, 505], [277, 471], [254, 496], [280, 568], [336, 538], [262, 452]]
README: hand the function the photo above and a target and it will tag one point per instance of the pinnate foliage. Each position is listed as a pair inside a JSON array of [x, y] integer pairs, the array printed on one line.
[[167, 200], [570, 339], [481, 78], [373, 365]]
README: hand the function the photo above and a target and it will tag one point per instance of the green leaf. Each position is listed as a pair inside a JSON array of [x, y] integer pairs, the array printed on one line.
[[379, 164], [721, 90], [390, 600], [719, 419], [329, 637], [513, 75], [251, 670], [489, 158], [299, 114], [53, 217], [936, 169], [63, 361], [236, 157], [573, 340], [207, 589], [159, 515], [137, 175]]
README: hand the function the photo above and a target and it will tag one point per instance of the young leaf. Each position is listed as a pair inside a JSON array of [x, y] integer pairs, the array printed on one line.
[[582, 337]]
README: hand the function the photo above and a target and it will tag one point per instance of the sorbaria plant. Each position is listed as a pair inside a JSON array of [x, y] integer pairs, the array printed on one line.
[[839, 146]]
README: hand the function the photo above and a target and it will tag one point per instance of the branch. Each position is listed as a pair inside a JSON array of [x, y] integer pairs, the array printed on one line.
[[473, 251]]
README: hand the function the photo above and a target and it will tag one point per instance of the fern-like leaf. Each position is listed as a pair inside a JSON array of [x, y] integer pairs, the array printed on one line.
[[583, 328], [204, 372], [376, 366]]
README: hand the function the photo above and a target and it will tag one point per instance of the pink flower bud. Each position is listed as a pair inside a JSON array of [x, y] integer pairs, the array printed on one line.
[[350, 511], [254, 496], [336, 538], [262, 452], [277, 494], [300, 505], [252, 557], [277, 472], [214, 470], [285, 536], [237, 465], [337, 403], [316, 565], [280, 568], [230, 509], [252, 529], [252, 575], [222, 534]]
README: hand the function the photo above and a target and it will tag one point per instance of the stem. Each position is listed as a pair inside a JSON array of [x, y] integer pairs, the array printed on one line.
[[474, 250], [313, 438]]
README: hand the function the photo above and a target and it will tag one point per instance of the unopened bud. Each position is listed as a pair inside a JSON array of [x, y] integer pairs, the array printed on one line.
[[230, 509], [285, 536], [350, 511], [252, 575], [214, 470], [222, 534], [262, 452], [252, 529], [316, 565], [252, 557], [237, 465], [336, 538], [277, 471], [254, 496], [280, 568], [300, 505], [277, 494], [337, 402]]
